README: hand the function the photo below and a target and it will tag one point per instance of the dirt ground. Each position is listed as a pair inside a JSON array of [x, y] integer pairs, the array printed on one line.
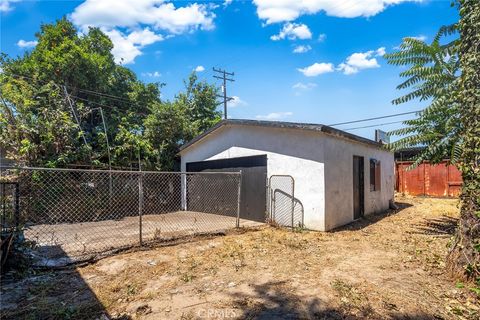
[[386, 266]]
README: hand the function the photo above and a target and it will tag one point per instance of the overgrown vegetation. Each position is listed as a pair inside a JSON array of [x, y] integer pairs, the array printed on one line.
[[68, 76], [464, 257], [392, 267], [446, 74]]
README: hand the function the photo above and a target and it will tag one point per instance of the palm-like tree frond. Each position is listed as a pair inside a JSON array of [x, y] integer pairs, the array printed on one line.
[[432, 76]]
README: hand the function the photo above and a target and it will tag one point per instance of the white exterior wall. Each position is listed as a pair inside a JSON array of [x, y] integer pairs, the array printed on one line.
[[296, 154], [313, 159], [339, 154]]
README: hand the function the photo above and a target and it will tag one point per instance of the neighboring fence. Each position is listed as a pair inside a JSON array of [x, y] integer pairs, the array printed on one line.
[[440, 180], [284, 209], [71, 215]]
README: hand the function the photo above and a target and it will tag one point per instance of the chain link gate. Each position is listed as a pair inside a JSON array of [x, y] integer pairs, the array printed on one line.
[[284, 209]]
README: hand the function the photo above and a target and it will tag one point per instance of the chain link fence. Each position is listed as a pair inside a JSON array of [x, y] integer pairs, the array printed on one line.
[[9, 207], [71, 215], [285, 210]]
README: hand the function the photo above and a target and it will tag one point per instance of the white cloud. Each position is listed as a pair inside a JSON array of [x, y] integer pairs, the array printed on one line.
[[302, 49], [26, 44], [322, 37], [199, 69], [300, 87], [273, 11], [127, 47], [154, 74], [236, 102], [226, 3], [274, 116], [420, 37], [122, 20], [380, 52], [304, 86], [361, 60], [6, 5], [317, 69], [159, 14], [293, 31]]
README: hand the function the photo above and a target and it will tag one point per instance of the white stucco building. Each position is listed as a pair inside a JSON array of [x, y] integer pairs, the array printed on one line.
[[338, 176]]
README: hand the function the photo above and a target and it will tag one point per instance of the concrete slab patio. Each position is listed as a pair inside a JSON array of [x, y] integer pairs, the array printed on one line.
[[68, 242]]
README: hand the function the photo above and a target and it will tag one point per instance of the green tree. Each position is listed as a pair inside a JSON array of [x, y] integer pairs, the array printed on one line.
[[199, 103], [191, 113], [464, 258], [35, 126], [432, 76], [447, 76], [51, 99], [166, 128], [34, 100]]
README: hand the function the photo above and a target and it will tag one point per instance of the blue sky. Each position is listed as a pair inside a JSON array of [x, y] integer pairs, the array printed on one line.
[[337, 73]]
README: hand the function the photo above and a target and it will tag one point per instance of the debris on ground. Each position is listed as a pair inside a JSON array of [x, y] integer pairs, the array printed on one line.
[[385, 266]]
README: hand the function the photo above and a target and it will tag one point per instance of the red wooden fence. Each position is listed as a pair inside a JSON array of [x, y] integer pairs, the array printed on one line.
[[440, 180]]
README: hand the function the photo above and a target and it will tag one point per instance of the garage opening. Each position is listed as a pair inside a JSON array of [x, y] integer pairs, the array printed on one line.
[[254, 182]]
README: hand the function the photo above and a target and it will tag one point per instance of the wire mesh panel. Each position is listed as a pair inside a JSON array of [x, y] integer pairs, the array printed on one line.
[[189, 204], [74, 214], [70, 215], [8, 207], [285, 209]]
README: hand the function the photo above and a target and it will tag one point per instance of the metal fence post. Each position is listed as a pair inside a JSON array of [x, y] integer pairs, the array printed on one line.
[[270, 200], [239, 199], [140, 205], [4, 207], [17, 206], [293, 202]]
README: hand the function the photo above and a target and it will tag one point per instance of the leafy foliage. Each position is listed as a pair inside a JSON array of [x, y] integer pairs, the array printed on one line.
[[450, 126], [432, 76], [68, 76], [464, 257]]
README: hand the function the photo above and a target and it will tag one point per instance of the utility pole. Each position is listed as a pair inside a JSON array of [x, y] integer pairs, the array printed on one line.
[[106, 136], [75, 116], [223, 76]]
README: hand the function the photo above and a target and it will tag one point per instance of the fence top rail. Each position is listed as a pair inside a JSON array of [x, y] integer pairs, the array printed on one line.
[[281, 176], [117, 171]]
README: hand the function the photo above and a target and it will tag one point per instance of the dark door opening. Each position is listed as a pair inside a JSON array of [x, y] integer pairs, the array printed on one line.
[[253, 200], [358, 187]]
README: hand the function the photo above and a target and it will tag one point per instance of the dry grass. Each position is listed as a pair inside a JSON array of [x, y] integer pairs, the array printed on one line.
[[386, 266]]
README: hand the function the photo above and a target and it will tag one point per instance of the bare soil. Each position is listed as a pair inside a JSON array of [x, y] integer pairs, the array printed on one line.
[[386, 266]]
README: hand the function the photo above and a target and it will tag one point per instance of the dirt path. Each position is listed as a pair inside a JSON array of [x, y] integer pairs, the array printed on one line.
[[386, 266]]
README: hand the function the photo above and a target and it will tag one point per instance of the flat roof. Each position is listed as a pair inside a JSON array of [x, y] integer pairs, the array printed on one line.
[[285, 125]]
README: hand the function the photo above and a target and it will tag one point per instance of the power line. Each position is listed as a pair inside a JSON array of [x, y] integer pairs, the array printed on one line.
[[75, 116], [76, 97], [102, 105], [224, 77], [86, 91], [376, 118], [376, 125]]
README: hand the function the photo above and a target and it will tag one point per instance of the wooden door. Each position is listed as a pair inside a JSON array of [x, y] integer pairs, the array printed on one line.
[[358, 187]]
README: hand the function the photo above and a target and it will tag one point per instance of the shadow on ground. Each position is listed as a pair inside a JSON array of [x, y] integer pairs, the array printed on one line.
[[28, 293], [372, 218], [444, 226], [274, 300]]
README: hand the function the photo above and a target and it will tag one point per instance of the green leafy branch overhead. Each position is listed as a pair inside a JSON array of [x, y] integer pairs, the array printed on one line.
[[432, 75], [69, 75]]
